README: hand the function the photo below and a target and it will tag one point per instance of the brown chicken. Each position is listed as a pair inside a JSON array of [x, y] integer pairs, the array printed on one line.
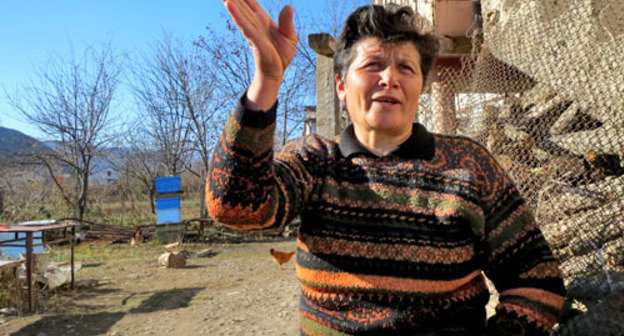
[[281, 257]]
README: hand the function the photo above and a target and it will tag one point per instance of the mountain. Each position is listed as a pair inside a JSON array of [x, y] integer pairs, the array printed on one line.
[[14, 142]]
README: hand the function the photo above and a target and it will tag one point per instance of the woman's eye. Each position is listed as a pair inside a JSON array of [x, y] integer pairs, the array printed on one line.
[[407, 68], [373, 65]]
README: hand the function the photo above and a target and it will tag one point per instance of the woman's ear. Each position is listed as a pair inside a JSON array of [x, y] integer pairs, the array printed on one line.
[[340, 89]]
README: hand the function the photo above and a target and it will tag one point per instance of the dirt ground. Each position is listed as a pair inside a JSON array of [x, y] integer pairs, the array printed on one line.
[[238, 291]]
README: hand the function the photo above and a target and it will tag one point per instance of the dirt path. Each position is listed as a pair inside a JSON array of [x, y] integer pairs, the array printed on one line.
[[237, 292]]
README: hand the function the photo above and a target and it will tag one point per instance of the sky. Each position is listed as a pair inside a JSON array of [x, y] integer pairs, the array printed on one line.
[[33, 31]]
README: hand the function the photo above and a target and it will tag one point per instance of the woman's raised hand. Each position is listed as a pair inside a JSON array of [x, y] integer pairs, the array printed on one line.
[[273, 46]]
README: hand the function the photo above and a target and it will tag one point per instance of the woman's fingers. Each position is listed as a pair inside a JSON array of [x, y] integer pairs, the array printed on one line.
[[273, 45], [254, 5], [286, 25], [242, 15], [251, 18]]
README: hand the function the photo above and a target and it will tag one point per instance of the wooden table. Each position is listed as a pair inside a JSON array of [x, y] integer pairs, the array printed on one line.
[[29, 230]]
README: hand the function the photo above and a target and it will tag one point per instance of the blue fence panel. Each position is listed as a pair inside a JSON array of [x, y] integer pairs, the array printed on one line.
[[168, 184]]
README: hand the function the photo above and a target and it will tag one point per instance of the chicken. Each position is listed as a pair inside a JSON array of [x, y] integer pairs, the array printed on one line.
[[281, 257], [138, 238]]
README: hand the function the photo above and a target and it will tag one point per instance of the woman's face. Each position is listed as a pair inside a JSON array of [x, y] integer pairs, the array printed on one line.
[[382, 87]]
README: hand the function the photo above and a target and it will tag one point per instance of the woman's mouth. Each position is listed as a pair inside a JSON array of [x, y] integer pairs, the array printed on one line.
[[386, 100]]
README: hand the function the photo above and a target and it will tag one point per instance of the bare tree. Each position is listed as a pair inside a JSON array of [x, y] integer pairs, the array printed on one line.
[[335, 13], [138, 159], [205, 118], [70, 102], [3, 177], [227, 54], [159, 88], [294, 95], [182, 112], [309, 21]]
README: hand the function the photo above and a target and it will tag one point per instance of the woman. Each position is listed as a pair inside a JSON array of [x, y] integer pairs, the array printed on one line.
[[397, 223]]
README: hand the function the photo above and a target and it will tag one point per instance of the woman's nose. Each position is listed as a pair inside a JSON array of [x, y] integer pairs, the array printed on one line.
[[388, 77]]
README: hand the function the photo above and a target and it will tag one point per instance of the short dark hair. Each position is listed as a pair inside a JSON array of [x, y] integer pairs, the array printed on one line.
[[390, 23]]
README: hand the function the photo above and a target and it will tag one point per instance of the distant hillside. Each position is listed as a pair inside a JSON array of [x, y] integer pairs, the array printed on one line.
[[14, 142]]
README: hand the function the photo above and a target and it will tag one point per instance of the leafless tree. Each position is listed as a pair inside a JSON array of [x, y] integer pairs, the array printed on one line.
[[226, 52], [3, 177], [158, 90], [138, 159], [308, 21], [69, 100], [178, 94], [293, 96], [335, 12]]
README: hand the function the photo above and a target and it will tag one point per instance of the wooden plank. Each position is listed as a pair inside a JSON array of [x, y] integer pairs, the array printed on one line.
[[608, 257], [9, 263], [55, 241], [112, 233], [602, 140], [12, 245], [561, 232], [36, 228], [2, 242]]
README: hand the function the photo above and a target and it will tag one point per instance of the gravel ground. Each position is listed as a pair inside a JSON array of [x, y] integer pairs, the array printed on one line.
[[237, 292]]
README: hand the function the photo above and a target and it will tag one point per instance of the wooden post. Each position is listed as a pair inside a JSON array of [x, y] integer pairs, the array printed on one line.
[[328, 114], [29, 261], [71, 242], [442, 101], [18, 289]]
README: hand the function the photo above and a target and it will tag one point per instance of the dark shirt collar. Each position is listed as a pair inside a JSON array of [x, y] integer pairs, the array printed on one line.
[[420, 145]]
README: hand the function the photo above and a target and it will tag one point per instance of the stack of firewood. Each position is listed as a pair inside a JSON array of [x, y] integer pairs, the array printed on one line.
[[110, 233], [563, 140], [568, 164]]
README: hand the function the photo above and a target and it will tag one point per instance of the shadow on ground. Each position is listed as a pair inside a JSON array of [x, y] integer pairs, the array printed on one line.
[[196, 266], [92, 265], [167, 300], [93, 292], [71, 325], [100, 323]]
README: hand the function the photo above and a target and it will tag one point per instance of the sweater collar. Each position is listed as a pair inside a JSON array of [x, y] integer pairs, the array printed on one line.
[[420, 144]]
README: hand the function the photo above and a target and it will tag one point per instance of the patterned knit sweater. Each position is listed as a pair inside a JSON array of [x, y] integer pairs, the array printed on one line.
[[392, 245]]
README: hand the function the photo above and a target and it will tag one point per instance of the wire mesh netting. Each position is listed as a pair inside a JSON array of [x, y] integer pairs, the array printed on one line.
[[542, 90]]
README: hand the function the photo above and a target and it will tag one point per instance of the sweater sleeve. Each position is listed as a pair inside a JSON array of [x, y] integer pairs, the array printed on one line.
[[519, 261], [247, 188]]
